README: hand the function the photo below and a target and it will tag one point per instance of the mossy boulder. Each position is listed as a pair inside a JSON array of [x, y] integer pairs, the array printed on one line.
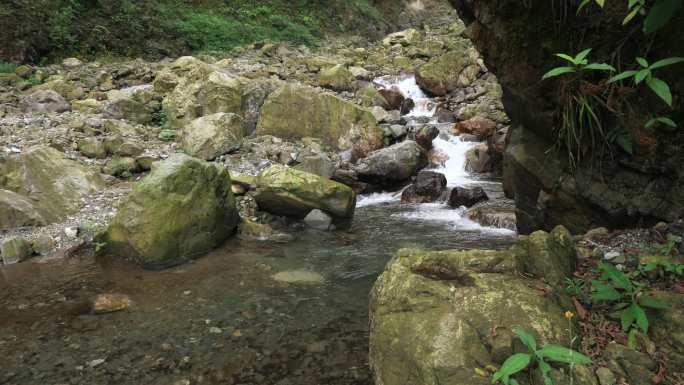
[[295, 112], [15, 250], [182, 209], [185, 67], [211, 136], [369, 96], [55, 184], [18, 211], [442, 317], [338, 78], [445, 73], [285, 191]]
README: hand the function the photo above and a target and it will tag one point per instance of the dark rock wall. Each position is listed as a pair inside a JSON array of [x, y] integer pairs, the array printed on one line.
[[518, 40]]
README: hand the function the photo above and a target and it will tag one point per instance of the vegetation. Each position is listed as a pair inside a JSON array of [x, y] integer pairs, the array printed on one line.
[[521, 361], [7, 67], [57, 28]]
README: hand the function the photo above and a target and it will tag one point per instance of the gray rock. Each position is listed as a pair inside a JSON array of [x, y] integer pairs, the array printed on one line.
[[44, 101], [468, 197], [319, 220], [43, 244], [605, 376], [392, 165], [15, 250], [213, 135], [18, 211]]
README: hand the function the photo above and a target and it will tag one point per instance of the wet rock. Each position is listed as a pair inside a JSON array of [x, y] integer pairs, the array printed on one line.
[[340, 124], [478, 159], [181, 210], [432, 313], [393, 164], [56, 185], [498, 213], [44, 101], [479, 126], [15, 250], [368, 97], [92, 148], [337, 77], [319, 220], [393, 98], [253, 231], [43, 244], [448, 72], [213, 135], [446, 116], [299, 277], [466, 196], [429, 186], [283, 190], [111, 302], [18, 211], [406, 106], [425, 135]]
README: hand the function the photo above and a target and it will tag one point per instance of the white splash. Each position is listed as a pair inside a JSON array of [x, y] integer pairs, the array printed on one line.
[[455, 218], [407, 86], [454, 168], [377, 198]]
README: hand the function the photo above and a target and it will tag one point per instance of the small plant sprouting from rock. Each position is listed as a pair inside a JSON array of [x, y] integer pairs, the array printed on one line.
[[521, 361], [628, 295]]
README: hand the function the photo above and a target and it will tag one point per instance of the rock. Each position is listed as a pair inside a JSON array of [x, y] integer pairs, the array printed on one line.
[[498, 213], [71, 232], [125, 105], [56, 185], [24, 71], [466, 196], [299, 277], [123, 167], [428, 186], [181, 210], [340, 124], [111, 302], [392, 165], [15, 250], [394, 98], [446, 116], [213, 135], [319, 164], [605, 376], [252, 231], [478, 159], [432, 313], [68, 89], [407, 106], [283, 190], [359, 72], [614, 257], [338, 78], [448, 72], [482, 127], [425, 135], [71, 62], [44, 101], [87, 106], [167, 135], [407, 37], [18, 211], [202, 93], [187, 68], [319, 220], [122, 147], [43, 244], [254, 95], [369, 97], [92, 148], [636, 367]]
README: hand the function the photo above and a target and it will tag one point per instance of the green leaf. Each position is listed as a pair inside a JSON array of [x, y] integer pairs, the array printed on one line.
[[558, 71], [641, 75], [562, 354], [603, 292], [582, 5], [642, 62], [526, 338], [627, 317], [566, 57], [545, 368], [512, 365], [513, 382], [653, 303], [625, 142], [667, 121], [621, 76], [619, 279], [600, 67], [632, 3], [666, 62], [631, 15], [660, 14], [582, 55], [661, 89], [641, 318], [601, 3]]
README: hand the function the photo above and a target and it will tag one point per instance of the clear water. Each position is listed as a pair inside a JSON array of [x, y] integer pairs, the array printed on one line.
[[223, 319]]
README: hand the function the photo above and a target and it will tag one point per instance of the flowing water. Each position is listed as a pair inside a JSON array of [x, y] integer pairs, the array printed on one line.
[[224, 319]]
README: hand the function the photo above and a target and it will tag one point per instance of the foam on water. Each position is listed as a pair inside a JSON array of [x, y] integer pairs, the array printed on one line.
[[454, 169], [377, 198]]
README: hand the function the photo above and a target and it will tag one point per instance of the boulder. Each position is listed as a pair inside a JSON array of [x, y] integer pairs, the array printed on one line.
[[202, 93], [254, 95], [496, 213], [185, 67], [319, 220], [465, 196], [92, 148], [252, 231], [448, 72], [126, 105], [392, 165], [15, 250], [428, 186], [68, 89], [283, 190], [17, 211], [319, 164], [121, 166], [182, 209], [477, 125], [478, 159], [407, 37], [55, 184], [407, 106], [338, 78], [425, 135], [432, 313], [394, 98], [368, 96], [213, 135], [340, 124], [44, 101]]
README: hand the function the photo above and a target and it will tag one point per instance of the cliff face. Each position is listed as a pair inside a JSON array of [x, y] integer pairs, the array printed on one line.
[[518, 40]]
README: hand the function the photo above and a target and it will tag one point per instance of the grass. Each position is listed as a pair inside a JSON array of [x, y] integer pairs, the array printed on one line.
[[7, 67]]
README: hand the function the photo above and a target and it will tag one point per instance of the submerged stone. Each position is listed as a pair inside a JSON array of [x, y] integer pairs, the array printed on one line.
[[299, 277]]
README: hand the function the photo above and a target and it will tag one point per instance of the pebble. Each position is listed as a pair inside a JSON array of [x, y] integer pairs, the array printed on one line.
[[614, 257], [96, 362], [215, 330], [71, 232]]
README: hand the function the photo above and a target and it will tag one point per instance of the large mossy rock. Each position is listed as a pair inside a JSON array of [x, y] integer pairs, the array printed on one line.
[[18, 211], [54, 184], [285, 191], [213, 135], [338, 78], [200, 90], [295, 112], [440, 317], [182, 209], [443, 74]]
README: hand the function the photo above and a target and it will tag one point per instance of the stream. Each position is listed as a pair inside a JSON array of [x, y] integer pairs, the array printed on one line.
[[223, 319]]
